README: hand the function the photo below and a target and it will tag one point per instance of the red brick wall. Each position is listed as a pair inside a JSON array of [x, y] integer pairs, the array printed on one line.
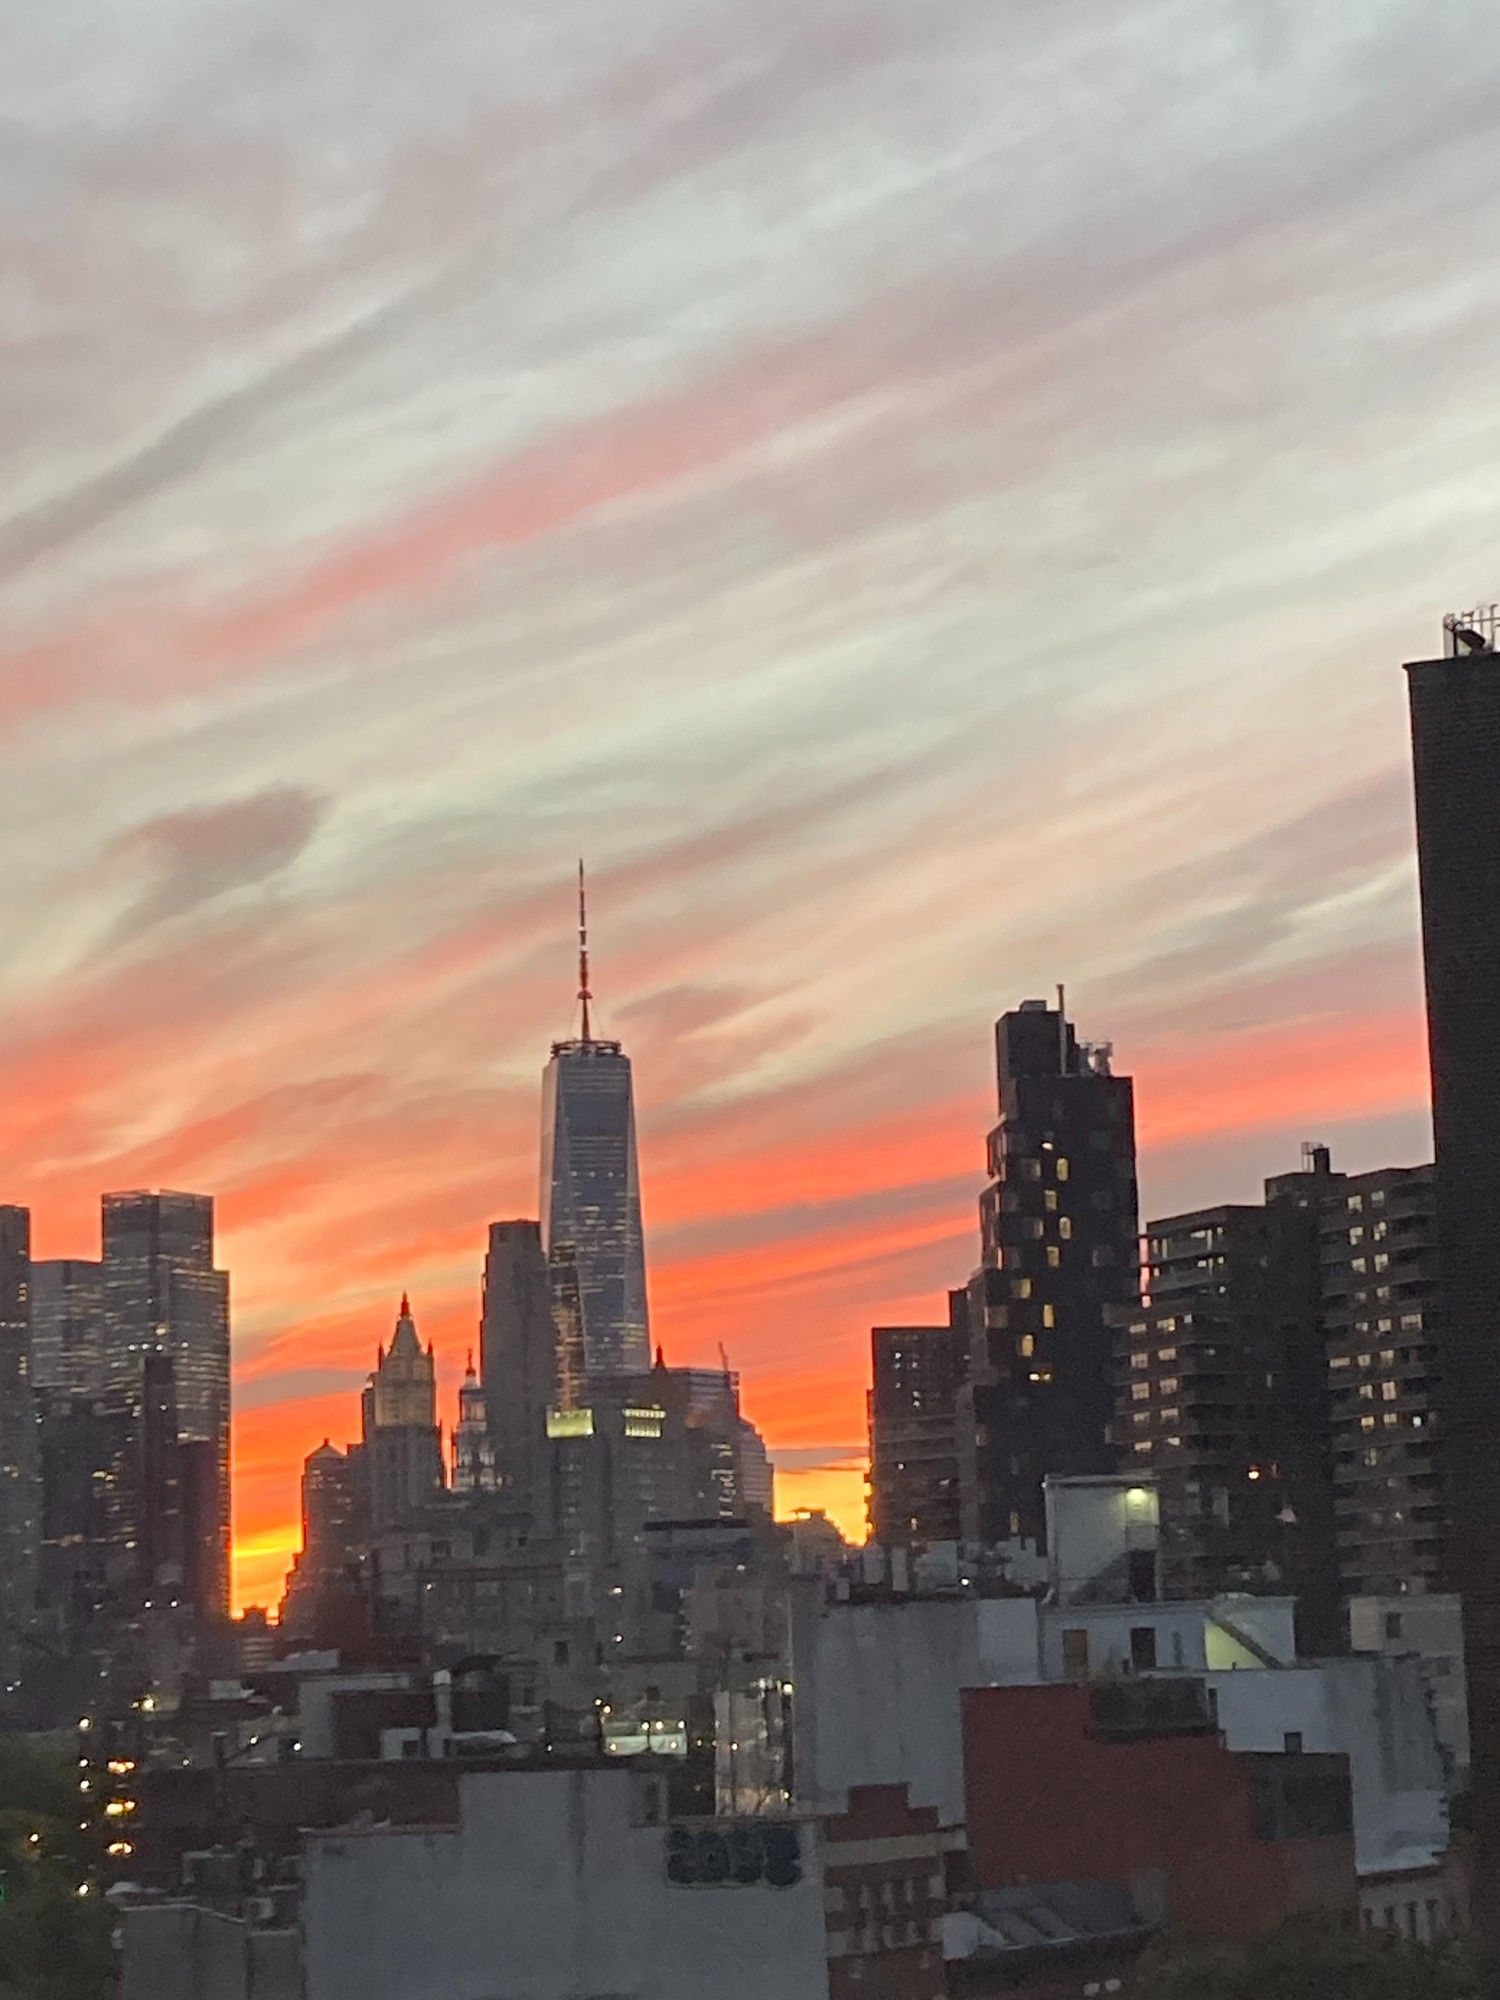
[[1050, 1802]]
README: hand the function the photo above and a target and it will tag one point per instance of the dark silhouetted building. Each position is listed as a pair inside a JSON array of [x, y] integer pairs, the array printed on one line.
[[323, 1590], [20, 1490], [1058, 1227], [162, 1296], [1455, 720], [402, 1440], [517, 1356], [917, 1372], [1224, 1397], [1383, 1320]]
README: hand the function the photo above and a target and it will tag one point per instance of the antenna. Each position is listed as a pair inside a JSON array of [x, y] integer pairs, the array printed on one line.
[[584, 995]]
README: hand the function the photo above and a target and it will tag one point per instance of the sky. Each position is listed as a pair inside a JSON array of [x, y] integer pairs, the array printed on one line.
[[930, 500]]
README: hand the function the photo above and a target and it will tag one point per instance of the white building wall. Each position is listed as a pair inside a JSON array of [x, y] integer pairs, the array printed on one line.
[[1432, 1628], [1373, 1710], [553, 1888], [877, 1686], [1228, 1633]]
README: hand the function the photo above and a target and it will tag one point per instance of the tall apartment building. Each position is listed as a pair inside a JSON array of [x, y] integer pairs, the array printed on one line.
[[163, 1298], [1058, 1225], [20, 1492], [67, 1326], [1383, 1314], [1455, 722], [1224, 1397], [916, 1376]]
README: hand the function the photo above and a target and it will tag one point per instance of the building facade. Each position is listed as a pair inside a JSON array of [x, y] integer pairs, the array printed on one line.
[[1224, 1398], [916, 1375], [591, 1211], [518, 1356], [1455, 722], [1058, 1224], [163, 1297], [67, 1326], [20, 1487], [403, 1449], [1383, 1315]]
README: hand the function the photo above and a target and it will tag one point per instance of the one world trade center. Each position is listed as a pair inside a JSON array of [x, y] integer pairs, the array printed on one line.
[[591, 1203]]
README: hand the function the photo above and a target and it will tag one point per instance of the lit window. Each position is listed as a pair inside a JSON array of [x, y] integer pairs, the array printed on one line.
[[1065, 1227], [1049, 1315], [1062, 1169], [1388, 1392], [1054, 1256], [1020, 1288], [1027, 1346], [1169, 1385], [1166, 1354], [1140, 1392]]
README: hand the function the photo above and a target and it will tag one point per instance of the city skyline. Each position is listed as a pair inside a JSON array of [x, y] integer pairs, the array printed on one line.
[[908, 593]]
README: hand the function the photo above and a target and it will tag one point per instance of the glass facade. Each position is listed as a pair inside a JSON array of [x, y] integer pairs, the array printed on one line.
[[67, 1326], [19, 1492], [163, 1297], [591, 1202]]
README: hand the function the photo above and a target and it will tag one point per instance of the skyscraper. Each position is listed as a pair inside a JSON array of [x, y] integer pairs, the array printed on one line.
[[1225, 1398], [591, 1201], [402, 1438], [916, 1372], [517, 1357], [1058, 1226], [1455, 721], [473, 1447], [20, 1496], [162, 1296], [67, 1326]]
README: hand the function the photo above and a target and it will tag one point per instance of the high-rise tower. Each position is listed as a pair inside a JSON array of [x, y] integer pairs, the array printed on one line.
[[20, 1498], [1455, 722], [518, 1357], [591, 1201], [162, 1297], [1058, 1224], [402, 1438]]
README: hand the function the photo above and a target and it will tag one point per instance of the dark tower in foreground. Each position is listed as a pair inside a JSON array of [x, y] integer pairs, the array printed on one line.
[[1059, 1225], [20, 1498], [1455, 723]]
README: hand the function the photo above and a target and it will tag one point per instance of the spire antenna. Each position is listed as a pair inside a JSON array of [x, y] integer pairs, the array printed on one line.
[[585, 997]]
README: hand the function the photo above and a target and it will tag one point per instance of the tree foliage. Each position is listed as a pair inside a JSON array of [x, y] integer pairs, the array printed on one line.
[[54, 1942], [1313, 1958]]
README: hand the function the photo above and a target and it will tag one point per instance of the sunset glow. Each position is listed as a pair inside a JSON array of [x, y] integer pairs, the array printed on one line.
[[914, 565]]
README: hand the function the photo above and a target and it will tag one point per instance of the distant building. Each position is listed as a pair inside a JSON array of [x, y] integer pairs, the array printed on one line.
[[591, 1203], [518, 1356], [163, 1297], [916, 1374], [1058, 1229], [321, 1588], [1455, 721], [473, 1447], [20, 1489], [402, 1440], [67, 1326]]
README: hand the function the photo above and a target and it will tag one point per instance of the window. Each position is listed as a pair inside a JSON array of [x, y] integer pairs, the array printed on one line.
[[1075, 1648], [1061, 1168], [1054, 1256], [1026, 1346], [1020, 1288], [1049, 1316], [1140, 1392], [1291, 1742], [1140, 1360], [1166, 1353], [1388, 1392], [1065, 1227], [1049, 1201], [1169, 1385], [1142, 1647]]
